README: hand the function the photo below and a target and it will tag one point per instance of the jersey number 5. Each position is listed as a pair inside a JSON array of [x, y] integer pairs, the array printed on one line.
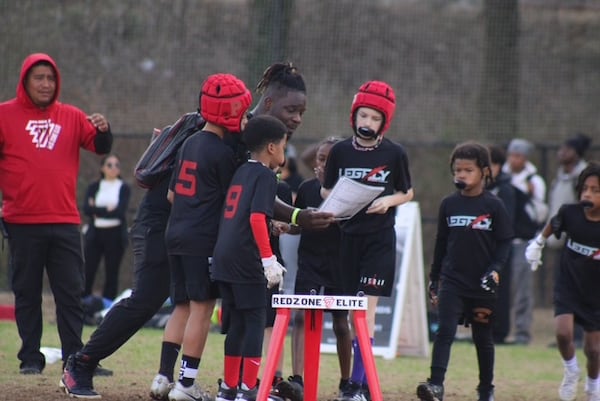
[[186, 180], [233, 199]]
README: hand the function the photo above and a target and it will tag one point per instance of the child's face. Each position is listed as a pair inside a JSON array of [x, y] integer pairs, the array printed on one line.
[[590, 191], [468, 172], [277, 151], [322, 154], [369, 118]]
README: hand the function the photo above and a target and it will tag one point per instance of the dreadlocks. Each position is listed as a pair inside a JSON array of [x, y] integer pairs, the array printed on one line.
[[281, 75]]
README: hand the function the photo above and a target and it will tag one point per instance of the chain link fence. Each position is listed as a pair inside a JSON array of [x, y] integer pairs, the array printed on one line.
[[488, 70]]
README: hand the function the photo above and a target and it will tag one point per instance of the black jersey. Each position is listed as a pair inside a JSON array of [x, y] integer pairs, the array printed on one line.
[[154, 208], [578, 278], [385, 166], [236, 258], [468, 232], [318, 250], [200, 180]]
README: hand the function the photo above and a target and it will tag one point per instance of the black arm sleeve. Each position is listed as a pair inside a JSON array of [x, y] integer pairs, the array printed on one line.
[[441, 242], [103, 141], [501, 254]]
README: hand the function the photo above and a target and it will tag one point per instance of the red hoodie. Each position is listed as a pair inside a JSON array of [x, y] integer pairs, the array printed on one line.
[[39, 155]]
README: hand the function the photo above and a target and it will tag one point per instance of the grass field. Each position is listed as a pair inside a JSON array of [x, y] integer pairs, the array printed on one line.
[[522, 372]]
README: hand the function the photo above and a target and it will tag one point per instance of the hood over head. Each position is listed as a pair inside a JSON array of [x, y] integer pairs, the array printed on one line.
[[29, 62]]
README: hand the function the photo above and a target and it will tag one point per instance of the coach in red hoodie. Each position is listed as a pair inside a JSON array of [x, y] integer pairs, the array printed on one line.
[[40, 139]]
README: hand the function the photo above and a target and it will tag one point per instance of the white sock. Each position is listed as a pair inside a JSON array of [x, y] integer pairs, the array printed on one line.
[[571, 364], [592, 385]]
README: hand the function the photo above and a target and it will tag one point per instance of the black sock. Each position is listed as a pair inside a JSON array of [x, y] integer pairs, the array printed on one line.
[[168, 356]]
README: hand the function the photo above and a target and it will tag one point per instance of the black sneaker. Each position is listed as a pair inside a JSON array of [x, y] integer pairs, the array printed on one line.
[[343, 387], [225, 393], [276, 381], [31, 368], [77, 377], [485, 394], [353, 392], [250, 395], [292, 389], [366, 392], [428, 391]]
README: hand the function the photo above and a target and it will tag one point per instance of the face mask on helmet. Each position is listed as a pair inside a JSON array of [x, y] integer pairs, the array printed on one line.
[[376, 95], [224, 101]]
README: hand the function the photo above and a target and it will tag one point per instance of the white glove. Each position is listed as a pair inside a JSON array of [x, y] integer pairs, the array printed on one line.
[[533, 252], [273, 271]]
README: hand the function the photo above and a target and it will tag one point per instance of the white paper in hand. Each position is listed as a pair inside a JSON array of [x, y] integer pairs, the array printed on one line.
[[348, 197]]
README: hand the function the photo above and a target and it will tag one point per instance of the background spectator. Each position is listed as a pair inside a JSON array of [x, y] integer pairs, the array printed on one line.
[[525, 178], [106, 203]]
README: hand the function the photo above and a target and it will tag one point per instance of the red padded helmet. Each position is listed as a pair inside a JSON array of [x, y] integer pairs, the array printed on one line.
[[376, 95], [224, 100]]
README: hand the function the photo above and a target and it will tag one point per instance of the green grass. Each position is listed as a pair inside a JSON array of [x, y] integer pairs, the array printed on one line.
[[522, 373]]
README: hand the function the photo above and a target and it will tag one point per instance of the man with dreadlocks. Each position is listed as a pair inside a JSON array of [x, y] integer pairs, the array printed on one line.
[[368, 240], [283, 95]]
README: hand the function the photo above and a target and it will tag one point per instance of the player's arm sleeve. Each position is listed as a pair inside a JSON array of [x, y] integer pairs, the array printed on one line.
[[501, 254], [557, 222], [403, 179], [331, 170], [441, 240], [260, 231]]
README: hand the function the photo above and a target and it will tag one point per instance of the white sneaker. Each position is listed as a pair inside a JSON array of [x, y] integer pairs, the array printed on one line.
[[568, 388], [191, 393], [160, 387], [593, 396]]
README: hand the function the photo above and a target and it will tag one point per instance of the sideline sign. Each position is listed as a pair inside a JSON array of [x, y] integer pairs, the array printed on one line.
[[330, 302]]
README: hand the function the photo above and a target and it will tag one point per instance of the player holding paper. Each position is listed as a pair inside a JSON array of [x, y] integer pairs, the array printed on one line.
[[368, 240]]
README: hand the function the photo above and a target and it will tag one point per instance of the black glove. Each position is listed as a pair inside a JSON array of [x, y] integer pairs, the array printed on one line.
[[490, 280], [433, 291]]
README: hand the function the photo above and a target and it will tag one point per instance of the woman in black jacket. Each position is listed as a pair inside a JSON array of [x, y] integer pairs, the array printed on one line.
[[105, 204]]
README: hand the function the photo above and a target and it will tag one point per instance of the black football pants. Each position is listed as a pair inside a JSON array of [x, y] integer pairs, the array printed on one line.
[[452, 308], [150, 291]]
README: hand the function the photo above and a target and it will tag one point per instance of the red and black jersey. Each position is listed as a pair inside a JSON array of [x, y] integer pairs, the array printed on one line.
[[318, 250], [578, 279], [202, 174], [469, 233], [236, 258], [385, 166]]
